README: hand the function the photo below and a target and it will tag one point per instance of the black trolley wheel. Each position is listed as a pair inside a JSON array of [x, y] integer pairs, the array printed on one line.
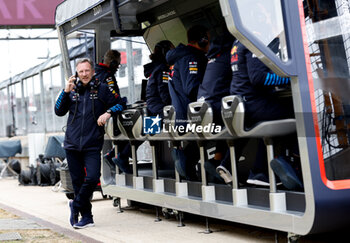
[[116, 201], [70, 195]]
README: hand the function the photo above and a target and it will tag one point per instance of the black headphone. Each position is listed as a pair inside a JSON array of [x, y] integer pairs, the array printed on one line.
[[203, 42], [164, 46], [114, 65], [77, 82], [93, 84], [198, 34]]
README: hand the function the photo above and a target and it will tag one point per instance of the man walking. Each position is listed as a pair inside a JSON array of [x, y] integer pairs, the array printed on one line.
[[90, 104]]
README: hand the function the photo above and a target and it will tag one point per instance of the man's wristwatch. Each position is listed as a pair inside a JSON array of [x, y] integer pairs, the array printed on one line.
[[109, 111]]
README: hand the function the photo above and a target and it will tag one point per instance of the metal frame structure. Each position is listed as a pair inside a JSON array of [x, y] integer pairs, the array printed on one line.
[[322, 206], [38, 71]]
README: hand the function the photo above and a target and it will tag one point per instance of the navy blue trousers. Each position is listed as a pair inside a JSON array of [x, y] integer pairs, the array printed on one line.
[[84, 169]]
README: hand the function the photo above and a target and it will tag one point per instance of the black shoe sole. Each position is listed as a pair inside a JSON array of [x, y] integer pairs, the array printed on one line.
[[286, 174], [84, 226]]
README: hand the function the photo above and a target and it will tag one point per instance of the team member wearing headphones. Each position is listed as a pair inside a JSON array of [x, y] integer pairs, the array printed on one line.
[[90, 104], [189, 64], [106, 70], [157, 95], [188, 70], [215, 85], [157, 91], [256, 84], [105, 73]]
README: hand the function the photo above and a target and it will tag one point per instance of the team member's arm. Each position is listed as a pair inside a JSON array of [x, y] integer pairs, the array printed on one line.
[[163, 87], [261, 75], [192, 74], [113, 86]]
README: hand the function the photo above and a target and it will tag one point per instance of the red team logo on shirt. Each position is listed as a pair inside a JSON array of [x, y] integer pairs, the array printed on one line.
[[234, 55], [171, 73]]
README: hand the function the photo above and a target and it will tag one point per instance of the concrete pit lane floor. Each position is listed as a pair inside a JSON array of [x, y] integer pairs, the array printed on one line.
[[50, 210]]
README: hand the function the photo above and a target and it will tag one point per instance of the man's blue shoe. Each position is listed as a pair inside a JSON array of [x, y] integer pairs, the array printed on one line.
[[74, 216], [84, 223], [122, 165], [286, 173]]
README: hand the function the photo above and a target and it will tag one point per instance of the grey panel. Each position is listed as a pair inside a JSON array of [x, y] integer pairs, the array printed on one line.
[[296, 201], [129, 180], [258, 197], [148, 182], [223, 193], [169, 185], [194, 189]]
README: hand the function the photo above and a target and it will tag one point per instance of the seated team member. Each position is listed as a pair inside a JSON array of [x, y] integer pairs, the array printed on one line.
[[215, 85], [256, 83], [90, 104], [157, 91], [105, 73], [157, 95], [218, 74], [189, 63]]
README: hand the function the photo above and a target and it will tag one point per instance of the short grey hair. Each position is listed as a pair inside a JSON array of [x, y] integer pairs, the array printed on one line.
[[85, 59], [111, 55]]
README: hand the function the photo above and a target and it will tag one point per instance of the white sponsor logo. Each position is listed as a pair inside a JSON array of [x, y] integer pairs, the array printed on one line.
[[209, 128], [164, 16]]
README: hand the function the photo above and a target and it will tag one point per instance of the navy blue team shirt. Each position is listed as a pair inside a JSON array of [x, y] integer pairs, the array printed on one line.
[[187, 73]]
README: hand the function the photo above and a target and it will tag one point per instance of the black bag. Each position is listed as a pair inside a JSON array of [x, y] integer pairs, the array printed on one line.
[[47, 173], [28, 177], [15, 165], [24, 177]]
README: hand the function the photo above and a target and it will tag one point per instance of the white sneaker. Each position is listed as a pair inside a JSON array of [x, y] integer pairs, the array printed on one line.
[[224, 173]]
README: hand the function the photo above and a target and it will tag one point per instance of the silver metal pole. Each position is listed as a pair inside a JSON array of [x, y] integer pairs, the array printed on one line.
[[64, 52], [134, 160], [116, 151], [43, 113], [234, 167], [52, 101], [154, 162], [24, 106], [272, 179], [202, 158], [130, 66]]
